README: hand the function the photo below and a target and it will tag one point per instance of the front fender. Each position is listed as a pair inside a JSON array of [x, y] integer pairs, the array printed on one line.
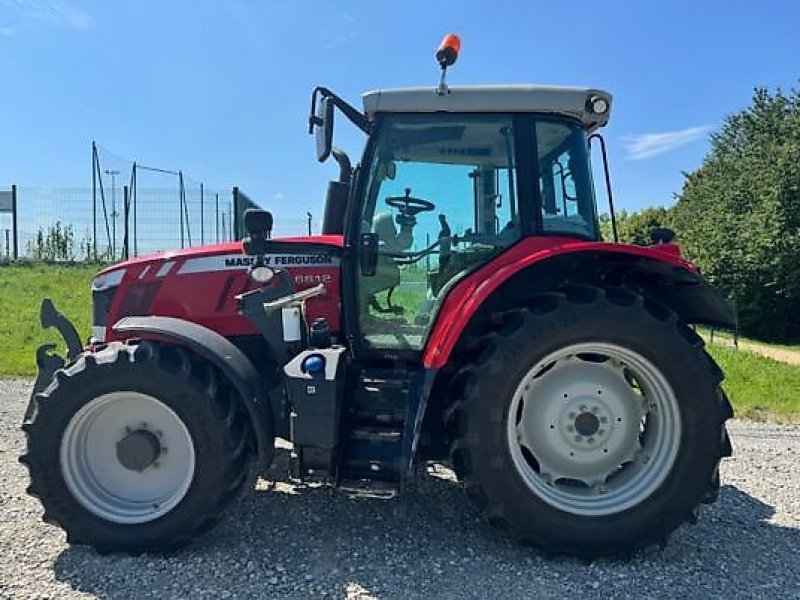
[[224, 355]]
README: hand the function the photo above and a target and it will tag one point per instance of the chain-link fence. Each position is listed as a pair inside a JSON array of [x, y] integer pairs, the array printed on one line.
[[130, 209], [83, 224], [137, 209]]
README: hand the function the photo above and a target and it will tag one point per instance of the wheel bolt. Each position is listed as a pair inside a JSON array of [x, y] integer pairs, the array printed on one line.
[[604, 419], [578, 438], [601, 431], [571, 415], [595, 409], [645, 459], [570, 428], [590, 440]]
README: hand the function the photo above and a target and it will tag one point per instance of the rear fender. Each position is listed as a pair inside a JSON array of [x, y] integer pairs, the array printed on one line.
[[224, 355], [659, 277]]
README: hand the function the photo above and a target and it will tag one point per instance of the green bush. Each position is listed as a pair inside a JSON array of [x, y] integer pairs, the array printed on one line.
[[56, 243]]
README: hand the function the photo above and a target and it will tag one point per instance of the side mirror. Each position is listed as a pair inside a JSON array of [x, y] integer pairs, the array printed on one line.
[[323, 122], [258, 222], [368, 253]]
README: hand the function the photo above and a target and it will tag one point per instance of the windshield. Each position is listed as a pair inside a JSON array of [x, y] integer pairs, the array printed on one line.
[[462, 165]]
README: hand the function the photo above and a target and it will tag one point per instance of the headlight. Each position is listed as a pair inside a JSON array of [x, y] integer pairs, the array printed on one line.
[[107, 280], [599, 105], [103, 289]]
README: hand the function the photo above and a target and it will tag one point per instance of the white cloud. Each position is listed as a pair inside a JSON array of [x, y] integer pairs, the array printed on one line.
[[6, 31], [278, 196], [54, 12], [647, 145]]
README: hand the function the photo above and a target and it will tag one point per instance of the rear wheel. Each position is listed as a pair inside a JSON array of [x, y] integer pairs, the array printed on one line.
[[137, 447], [590, 423]]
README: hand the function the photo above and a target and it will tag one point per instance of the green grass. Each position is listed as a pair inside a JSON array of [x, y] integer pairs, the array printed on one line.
[[22, 287], [759, 388]]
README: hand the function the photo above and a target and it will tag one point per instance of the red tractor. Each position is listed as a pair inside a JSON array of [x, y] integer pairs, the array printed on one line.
[[458, 307]]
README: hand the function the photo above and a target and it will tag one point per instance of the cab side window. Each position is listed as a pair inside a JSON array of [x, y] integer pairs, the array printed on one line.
[[565, 182]]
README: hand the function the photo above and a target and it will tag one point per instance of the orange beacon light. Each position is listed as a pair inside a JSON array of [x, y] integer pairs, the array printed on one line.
[[447, 53]]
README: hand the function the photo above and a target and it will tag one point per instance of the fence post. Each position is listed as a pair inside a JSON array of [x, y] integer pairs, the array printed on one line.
[[202, 218], [234, 223], [180, 201], [126, 215], [135, 218], [14, 225], [216, 213], [94, 201]]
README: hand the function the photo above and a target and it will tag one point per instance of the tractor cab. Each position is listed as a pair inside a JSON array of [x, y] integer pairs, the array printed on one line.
[[449, 179]]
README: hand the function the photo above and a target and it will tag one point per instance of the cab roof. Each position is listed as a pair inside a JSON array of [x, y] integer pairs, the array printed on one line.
[[572, 102]]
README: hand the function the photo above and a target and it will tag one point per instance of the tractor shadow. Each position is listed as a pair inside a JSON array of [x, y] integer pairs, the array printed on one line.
[[303, 541]]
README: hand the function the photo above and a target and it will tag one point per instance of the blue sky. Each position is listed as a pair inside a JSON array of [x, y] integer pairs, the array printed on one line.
[[221, 89]]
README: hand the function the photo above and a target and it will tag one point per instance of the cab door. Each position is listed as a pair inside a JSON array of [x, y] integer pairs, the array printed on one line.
[[438, 199]]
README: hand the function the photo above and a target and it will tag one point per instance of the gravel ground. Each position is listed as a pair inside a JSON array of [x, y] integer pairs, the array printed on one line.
[[287, 541]]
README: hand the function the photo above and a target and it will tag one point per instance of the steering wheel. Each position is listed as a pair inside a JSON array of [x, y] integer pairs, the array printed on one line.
[[408, 205]]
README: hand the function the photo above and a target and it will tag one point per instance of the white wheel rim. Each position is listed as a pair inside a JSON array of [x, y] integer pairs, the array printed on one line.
[[594, 429], [94, 472]]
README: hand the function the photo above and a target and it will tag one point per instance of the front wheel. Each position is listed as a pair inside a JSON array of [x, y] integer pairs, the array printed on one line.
[[589, 423], [137, 447]]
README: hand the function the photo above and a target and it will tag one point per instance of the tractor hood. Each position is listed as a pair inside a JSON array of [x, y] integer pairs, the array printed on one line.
[[201, 284]]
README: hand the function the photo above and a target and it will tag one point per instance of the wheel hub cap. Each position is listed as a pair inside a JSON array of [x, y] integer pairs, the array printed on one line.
[[138, 450], [587, 424]]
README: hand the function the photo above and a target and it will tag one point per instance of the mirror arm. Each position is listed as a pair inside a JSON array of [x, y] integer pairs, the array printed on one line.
[[353, 114]]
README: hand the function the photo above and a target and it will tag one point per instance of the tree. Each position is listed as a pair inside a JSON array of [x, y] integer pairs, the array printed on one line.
[[738, 215], [635, 227]]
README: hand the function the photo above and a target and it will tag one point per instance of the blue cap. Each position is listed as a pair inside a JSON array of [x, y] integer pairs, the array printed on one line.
[[314, 364]]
